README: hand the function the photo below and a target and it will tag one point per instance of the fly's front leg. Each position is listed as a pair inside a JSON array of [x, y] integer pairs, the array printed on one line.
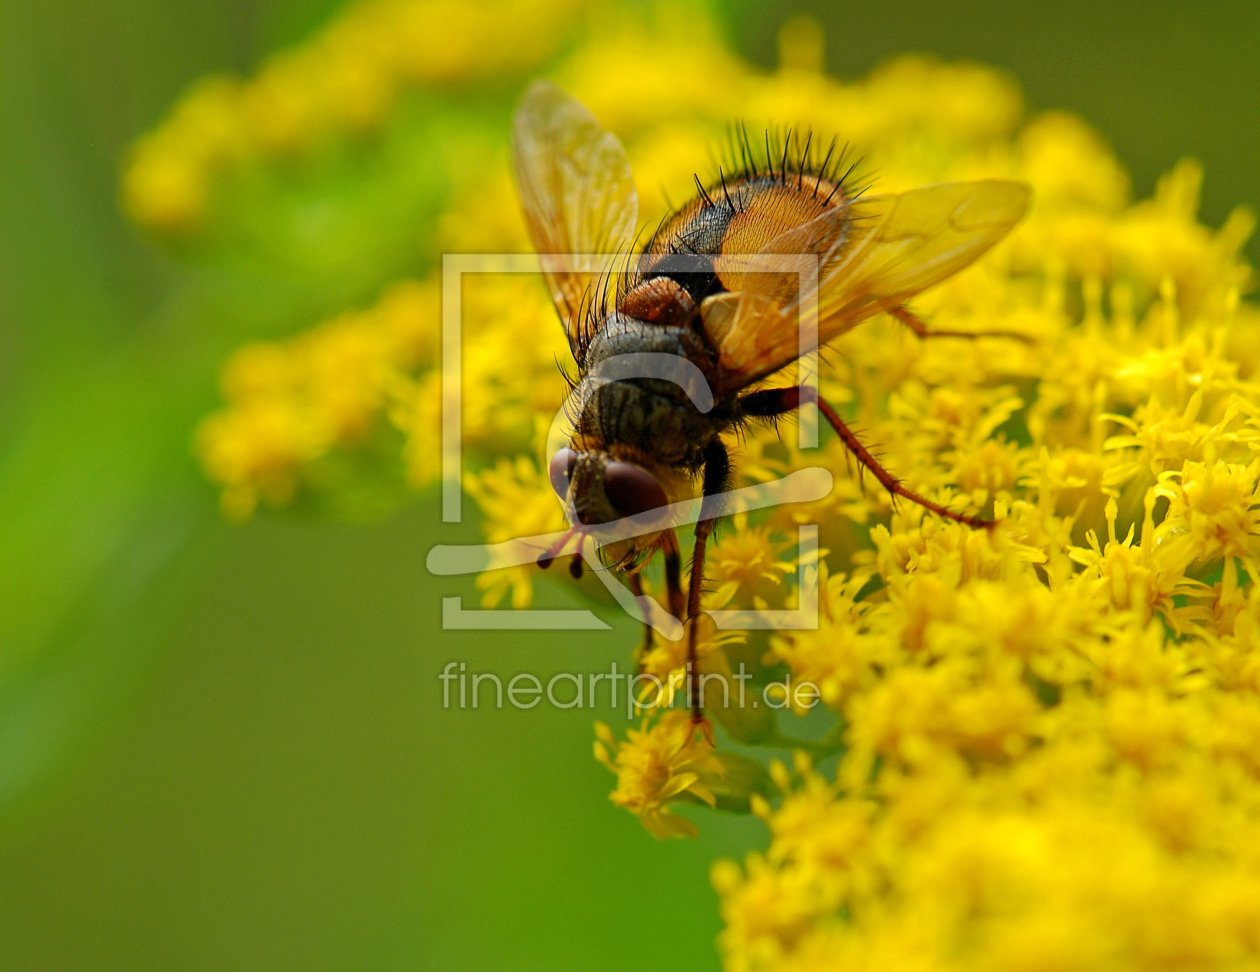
[[674, 595], [717, 470], [772, 402], [673, 576], [673, 591], [636, 588], [916, 324]]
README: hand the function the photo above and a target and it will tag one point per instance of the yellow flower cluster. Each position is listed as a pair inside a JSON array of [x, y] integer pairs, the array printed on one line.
[[1048, 733], [667, 762], [289, 403], [345, 81]]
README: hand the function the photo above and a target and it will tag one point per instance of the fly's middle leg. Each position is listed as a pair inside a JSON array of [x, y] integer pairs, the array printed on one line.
[[636, 588], [772, 402], [717, 471], [920, 327]]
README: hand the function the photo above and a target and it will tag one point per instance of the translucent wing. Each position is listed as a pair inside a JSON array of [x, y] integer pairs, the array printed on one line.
[[576, 191], [892, 248]]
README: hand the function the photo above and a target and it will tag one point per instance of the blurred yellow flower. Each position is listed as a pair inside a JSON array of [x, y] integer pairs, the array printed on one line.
[[661, 762], [291, 402], [1048, 734], [345, 81], [517, 500]]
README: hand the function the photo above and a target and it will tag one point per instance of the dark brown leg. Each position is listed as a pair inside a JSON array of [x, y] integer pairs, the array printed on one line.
[[777, 401], [717, 469], [636, 588], [917, 325], [703, 529], [673, 576]]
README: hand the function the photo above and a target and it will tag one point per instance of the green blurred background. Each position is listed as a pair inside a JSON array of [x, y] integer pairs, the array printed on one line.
[[224, 747]]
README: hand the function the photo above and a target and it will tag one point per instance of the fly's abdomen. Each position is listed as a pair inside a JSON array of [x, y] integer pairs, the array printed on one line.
[[735, 219]]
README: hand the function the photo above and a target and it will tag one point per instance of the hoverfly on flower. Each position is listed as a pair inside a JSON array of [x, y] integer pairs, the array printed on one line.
[[707, 289]]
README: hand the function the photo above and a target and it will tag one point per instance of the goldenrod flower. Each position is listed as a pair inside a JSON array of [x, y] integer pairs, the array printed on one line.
[[663, 761], [1047, 732], [517, 500], [345, 81], [290, 403], [745, 561]]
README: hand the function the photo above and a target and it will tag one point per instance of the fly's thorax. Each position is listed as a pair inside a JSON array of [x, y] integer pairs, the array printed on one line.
[[650, 388]]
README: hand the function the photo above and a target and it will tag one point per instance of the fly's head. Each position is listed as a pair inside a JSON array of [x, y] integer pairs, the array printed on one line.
[[602, 485]]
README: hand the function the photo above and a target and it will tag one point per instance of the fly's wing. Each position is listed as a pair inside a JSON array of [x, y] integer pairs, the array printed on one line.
[[890, 249], [577, 194], [755, 325]]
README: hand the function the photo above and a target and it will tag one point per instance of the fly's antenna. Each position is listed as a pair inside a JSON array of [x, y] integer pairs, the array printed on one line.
[[822, 169], [548, 556], [800, 169]]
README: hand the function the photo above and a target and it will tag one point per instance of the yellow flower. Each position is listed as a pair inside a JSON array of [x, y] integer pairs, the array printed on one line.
[[290, 403], [252, 453], [1047, 732], [517, 500], [345, 81], [663, 761], [1213, 507], [745, 562]]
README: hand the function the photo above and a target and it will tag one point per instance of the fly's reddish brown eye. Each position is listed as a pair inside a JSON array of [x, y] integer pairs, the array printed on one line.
[[631, 489], [561, 471]]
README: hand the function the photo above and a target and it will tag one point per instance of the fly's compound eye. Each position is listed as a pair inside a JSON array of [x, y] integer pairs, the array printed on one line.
[[561, 471], [632, 490]]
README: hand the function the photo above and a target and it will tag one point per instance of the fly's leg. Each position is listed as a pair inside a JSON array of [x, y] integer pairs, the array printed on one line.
[[636, 588], [778, 401], [673, 590], [548, 556], [920, 328], [717, 470], [673, 576]]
